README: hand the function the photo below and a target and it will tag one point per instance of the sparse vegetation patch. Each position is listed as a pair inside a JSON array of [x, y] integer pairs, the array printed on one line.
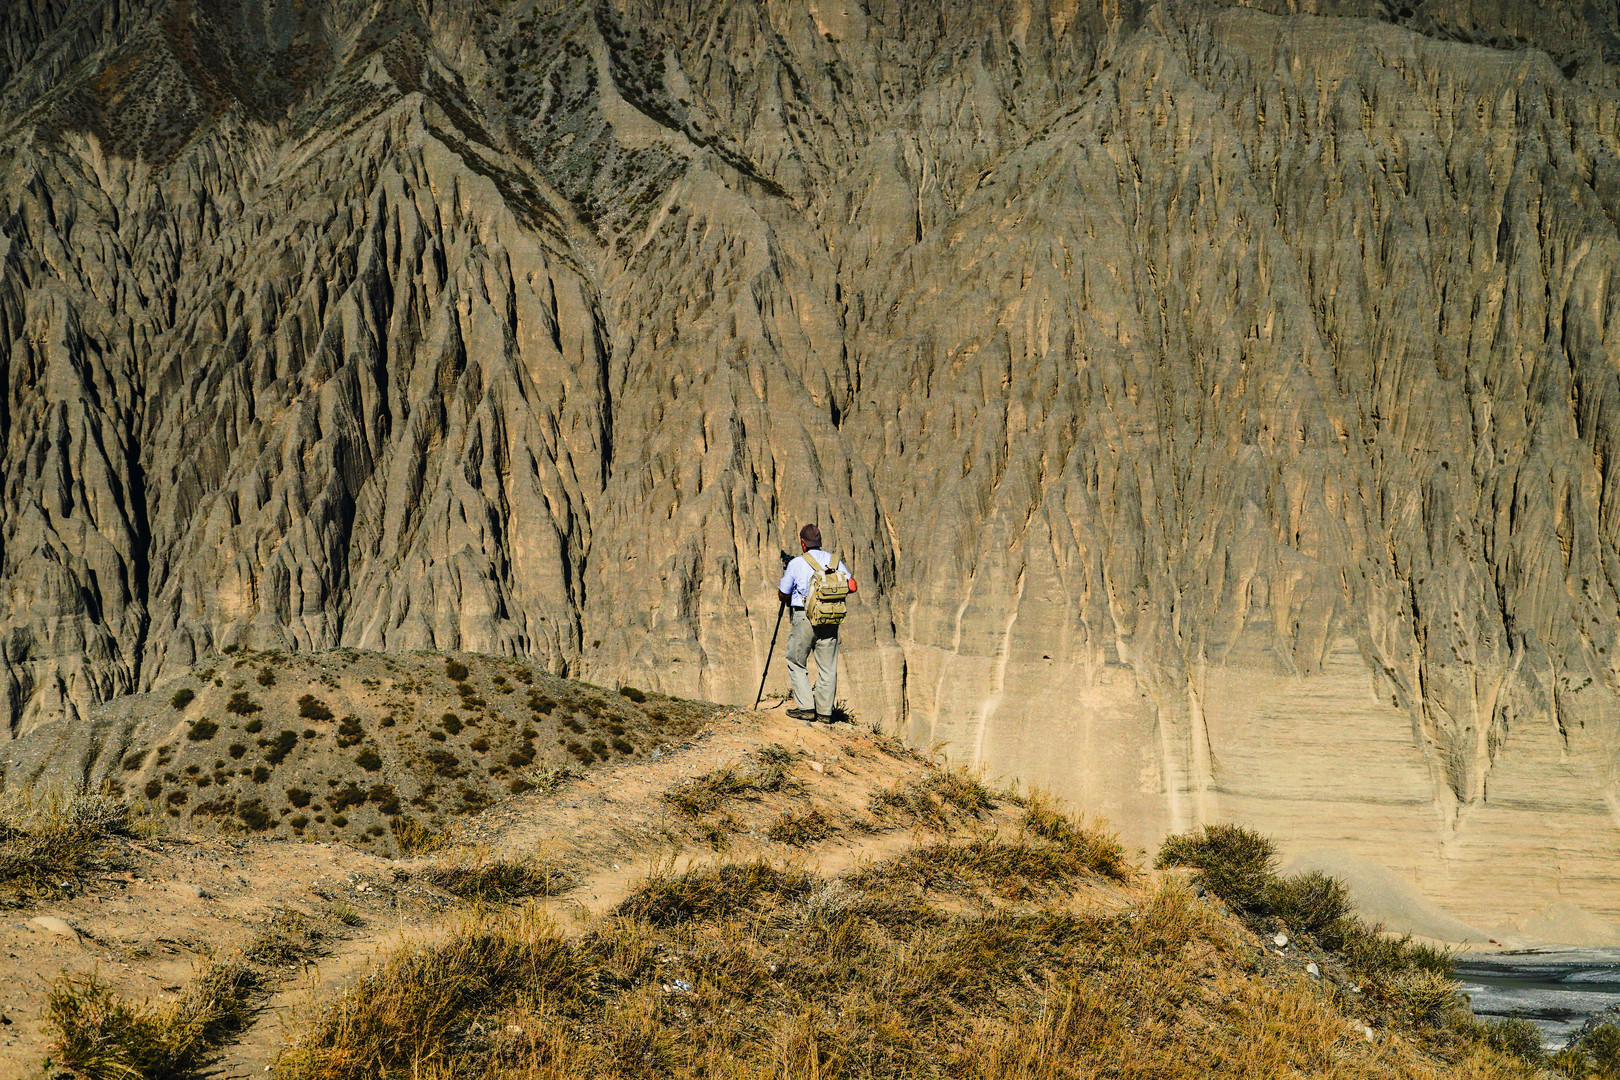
[[46, 846]]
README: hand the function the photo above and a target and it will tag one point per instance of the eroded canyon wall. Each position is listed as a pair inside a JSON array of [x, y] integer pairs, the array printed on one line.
[[1217, 402]]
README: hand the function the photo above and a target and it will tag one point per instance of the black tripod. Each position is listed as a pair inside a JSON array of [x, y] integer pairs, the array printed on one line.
[[786, 558], [768, 654]]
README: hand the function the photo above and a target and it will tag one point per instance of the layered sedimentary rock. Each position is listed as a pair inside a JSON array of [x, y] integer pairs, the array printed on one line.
[[1217, 402]]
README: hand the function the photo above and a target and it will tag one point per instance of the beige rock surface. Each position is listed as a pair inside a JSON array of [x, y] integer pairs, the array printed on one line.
[[1218, 404]]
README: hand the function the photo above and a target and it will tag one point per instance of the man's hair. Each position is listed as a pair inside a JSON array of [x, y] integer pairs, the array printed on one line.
[[811, 535]]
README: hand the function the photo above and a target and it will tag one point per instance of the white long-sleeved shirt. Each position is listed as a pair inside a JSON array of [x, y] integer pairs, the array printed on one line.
[[796, 578]]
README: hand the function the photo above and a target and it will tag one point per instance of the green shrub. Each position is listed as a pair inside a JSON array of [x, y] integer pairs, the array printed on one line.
[[254, 726], [278, 749], [1600, 1046], [368, 760], [309, 708], [633, 694], [1520, 1038], [255, 815], [242, 705], [1237, 864], [202, 730], [455, 670], [450, 722], [182, 697], [266, 677], [1309, 903], [1421, 997]]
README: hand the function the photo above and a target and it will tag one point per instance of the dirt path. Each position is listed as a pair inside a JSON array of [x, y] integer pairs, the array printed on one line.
[[613, 827], [143, 929]]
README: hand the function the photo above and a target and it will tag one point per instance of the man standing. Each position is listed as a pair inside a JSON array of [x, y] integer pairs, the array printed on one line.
[[814, 586]]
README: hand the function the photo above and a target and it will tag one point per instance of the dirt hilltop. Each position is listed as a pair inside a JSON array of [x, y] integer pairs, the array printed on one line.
[[705, 890]]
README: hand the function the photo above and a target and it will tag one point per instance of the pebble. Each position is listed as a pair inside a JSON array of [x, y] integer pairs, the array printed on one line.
[[50, 924], [1313, 971], [196, 892], [1280, 940], [818, 766]]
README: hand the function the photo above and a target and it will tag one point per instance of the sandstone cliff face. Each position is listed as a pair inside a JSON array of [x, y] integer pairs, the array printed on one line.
[[1217, 402]]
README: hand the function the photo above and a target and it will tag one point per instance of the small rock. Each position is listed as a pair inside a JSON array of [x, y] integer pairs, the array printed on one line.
[[1313, 971], [682, 986], [818, 766], [50, 924], [1280, 940], [196, 892]]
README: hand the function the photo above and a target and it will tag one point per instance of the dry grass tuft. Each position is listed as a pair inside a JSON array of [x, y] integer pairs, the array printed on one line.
[[46, 843], [285, 937], [411, 1011], [709, 792], [477, 876], [713, 892], [799, 830], [934, 798], [100, 1036], [415, 838]]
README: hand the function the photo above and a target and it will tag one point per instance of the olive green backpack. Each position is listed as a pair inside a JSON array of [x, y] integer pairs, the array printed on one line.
[[828, 598]]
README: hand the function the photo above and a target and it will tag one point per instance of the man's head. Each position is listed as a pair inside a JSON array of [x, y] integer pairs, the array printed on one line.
[[809, 537]]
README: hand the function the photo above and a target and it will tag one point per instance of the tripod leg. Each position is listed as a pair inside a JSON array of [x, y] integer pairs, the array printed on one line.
[[768, 654]]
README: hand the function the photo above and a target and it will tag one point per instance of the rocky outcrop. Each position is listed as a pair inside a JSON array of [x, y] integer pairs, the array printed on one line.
[[1216, 401]]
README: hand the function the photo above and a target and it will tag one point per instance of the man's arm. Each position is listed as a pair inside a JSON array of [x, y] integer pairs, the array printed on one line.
[[784, 588]]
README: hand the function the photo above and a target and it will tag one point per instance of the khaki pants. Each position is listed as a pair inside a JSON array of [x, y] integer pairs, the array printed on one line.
[[823, 641]]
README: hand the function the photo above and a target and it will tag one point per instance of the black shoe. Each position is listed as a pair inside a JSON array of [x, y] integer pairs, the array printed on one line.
[[802, 714]]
